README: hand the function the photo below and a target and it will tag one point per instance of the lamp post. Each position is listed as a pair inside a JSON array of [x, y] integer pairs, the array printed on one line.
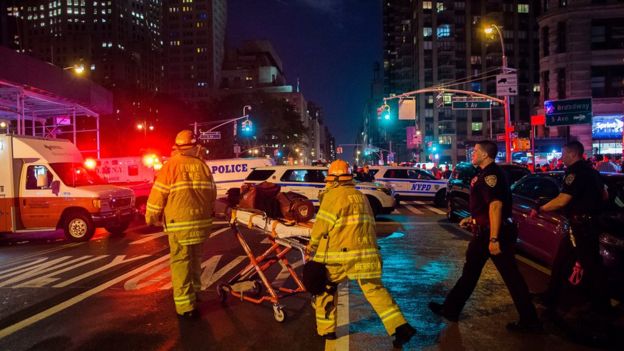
[[489, 30], [78, 69]]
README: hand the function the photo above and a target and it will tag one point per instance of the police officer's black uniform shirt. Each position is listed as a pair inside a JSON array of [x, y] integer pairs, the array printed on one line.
[[584, 184], [489, 185]]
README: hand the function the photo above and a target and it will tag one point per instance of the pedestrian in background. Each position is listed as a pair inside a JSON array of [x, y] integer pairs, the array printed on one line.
[[582, 197], [343, 238], [606, 165], [494, 236], [182, 199]]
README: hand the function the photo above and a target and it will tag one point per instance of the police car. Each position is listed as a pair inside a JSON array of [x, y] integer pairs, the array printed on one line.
[[411, 183], [230, 173], [310, 180]]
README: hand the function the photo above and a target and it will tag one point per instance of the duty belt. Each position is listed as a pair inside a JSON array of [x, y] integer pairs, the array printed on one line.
[[479, 230]]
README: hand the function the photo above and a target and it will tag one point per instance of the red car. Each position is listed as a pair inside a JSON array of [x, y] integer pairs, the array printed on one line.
[[540, 236]]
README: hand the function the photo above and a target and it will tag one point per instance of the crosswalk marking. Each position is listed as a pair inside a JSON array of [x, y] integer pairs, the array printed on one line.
[[68, 303], [414, 210], [148, 238], [436, 210]]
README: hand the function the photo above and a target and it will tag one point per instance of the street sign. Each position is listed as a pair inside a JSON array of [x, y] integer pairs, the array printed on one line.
[[210, 135], [500, 137], [237, 149], [472, 105], [407, 109], [339, 150], [567, 112], [506, 84]]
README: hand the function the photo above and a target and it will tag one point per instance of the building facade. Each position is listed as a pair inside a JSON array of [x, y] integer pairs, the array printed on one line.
[[442, 43], [194, 47], [581, 56], [118, 42]]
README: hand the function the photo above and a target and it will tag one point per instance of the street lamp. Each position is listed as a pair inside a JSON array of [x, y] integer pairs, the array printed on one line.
[[489, 30], [78, 69]]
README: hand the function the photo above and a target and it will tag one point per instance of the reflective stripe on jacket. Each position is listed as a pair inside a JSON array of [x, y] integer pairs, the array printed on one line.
[[185, 192], [344, 232]]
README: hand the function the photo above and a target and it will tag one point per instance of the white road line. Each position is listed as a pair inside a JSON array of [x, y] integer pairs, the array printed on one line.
[[414, 210], [120, 259], [51, 277], [135, 283], [148, 238], [44, 267], [217, 232], [396, 211], [74, 300], [436, 210]]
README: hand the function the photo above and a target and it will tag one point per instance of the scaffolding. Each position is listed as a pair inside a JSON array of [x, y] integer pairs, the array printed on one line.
[[39, 99]]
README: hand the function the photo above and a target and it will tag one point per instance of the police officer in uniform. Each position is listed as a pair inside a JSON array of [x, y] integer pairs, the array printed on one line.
[[343, 238], [581, 198], [182, 199], [494, 236]]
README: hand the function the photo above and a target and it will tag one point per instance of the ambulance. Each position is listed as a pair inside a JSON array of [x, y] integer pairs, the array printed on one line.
[[44, 186]]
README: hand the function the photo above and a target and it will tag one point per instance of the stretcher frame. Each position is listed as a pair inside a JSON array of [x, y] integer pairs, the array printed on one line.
[[257, 265]]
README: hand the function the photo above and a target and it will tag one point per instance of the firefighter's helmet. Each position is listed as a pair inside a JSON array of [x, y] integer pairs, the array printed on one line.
[[185, 139], [338, 171]]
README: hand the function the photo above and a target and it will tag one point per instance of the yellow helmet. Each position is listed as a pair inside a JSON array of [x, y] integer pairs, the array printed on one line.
[[338, 171], [185, 138]]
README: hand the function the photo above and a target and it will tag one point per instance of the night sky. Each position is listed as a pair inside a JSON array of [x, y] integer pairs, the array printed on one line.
[[330, 45]]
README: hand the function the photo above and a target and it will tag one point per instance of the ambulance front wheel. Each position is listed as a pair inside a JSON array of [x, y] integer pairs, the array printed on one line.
[[278, 313], [78, 226]]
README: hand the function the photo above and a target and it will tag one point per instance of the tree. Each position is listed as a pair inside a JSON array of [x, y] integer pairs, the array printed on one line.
[[275, 121]]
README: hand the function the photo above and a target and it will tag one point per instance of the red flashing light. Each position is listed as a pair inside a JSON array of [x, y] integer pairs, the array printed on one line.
[[90, 163]]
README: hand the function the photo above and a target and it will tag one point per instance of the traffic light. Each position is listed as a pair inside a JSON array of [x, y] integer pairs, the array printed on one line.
[[247, 127], [383, 112]]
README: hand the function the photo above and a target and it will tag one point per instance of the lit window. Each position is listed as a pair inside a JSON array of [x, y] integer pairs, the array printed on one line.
[[477, 126], [523, 8], [427, 32], [440, 6], [427, 5], [444, 31]]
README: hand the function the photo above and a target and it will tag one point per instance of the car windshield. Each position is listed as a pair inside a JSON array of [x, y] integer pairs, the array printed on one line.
[[75, 174]]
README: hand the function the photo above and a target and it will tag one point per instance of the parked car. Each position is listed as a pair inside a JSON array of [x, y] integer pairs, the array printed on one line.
[[458, 188], [540, 236], [411, 183], [310, 180]]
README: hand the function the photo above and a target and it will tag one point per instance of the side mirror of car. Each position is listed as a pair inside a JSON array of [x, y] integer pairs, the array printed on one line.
[[56, 187]]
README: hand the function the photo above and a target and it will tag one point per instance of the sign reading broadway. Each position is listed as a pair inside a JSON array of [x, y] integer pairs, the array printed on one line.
[[567, 112]]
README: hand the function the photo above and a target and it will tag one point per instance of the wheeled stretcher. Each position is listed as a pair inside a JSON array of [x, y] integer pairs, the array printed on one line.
[[249, 283]]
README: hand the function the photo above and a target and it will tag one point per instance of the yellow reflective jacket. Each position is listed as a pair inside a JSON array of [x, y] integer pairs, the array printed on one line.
[[344, 232], [185, 191]]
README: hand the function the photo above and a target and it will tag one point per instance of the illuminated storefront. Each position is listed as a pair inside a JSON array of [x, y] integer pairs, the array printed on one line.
[[607, 134]]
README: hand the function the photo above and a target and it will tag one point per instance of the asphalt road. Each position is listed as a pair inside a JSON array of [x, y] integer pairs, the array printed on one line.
[[114, 293]]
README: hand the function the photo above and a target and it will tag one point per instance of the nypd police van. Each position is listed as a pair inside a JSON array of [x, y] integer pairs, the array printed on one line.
[[310, 180], [411, 183], [231, 173]]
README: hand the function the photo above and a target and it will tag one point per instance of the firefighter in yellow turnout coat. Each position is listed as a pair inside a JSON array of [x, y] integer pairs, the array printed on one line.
[[343, 238], [183, 198]]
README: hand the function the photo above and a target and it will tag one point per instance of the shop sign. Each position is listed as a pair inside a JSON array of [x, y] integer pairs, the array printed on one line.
[[607, 127]]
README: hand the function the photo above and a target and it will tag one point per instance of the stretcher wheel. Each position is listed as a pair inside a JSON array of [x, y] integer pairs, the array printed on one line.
[[222, 292], [278, 313]]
